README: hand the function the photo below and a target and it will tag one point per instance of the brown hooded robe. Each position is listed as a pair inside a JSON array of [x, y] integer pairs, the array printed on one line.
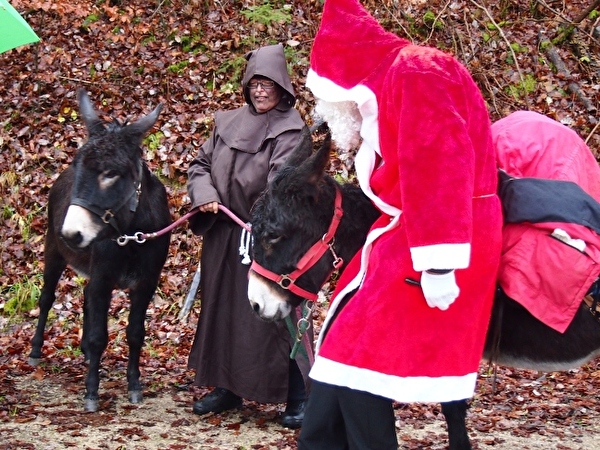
[[233, 348]]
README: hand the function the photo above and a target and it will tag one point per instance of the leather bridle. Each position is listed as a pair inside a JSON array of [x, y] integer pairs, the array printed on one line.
[[310, 258], [109, 215]]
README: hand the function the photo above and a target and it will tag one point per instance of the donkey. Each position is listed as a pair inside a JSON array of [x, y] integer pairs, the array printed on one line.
[[106, 193], [296, 210]]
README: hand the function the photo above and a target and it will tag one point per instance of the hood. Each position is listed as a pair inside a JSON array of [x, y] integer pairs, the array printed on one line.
[[529, 144], [270, 62]]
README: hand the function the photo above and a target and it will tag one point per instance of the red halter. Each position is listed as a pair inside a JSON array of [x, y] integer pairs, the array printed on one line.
[[310, 258]]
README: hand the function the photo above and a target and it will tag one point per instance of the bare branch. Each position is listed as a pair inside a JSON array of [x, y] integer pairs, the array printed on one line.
[[436, 20], [484, 9]]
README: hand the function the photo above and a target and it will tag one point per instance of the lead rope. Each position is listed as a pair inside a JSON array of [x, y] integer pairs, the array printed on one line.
[[303, 324], [140, 237], [300, 334]]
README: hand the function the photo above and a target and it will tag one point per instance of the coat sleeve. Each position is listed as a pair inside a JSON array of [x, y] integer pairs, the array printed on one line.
[[282, 147], [200, 187], [436, 169]]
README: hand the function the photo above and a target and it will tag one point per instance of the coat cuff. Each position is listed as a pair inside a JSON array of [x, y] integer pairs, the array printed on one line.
[[441, 256]]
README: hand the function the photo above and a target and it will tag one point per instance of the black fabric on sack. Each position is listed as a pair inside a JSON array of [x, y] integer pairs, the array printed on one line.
[[537, 200]]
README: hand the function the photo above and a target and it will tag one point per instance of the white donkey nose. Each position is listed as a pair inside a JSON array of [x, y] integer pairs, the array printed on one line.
[[266, 301], [79, 229]]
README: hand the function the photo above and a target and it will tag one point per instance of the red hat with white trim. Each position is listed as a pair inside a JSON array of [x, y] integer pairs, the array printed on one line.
[[350, 49]]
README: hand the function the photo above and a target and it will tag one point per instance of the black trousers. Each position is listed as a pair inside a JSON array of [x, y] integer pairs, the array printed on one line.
[[296, 388], [338, 418]]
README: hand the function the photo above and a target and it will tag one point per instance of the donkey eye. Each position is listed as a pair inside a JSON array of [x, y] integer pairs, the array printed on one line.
[[274, 240], [107, 178], [270, 239]]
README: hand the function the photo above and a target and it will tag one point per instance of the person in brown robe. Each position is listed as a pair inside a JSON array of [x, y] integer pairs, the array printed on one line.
[[234, 351]]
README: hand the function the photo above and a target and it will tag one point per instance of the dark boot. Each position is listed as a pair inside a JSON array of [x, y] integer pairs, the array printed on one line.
[[217, 401], [293, 415]]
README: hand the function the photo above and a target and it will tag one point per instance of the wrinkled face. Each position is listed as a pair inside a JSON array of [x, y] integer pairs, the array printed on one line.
[[265, 94], [105, 184]]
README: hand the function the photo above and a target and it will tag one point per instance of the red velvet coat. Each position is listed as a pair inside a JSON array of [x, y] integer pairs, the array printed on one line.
[[428, 164]]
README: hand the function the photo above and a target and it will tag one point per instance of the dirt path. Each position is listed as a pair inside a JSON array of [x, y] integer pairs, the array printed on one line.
[[42, 408], [51, 417]]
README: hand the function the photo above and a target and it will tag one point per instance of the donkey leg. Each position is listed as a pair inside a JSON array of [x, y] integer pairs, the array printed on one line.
[[85, 326], [140, 298], [456, 413], [97, 300], [53, 269]]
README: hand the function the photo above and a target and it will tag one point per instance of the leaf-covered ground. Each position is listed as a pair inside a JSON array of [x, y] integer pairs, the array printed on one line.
[[130, 55]]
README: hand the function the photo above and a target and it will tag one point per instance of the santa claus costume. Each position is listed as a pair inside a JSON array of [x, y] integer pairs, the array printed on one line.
[[427, 162]]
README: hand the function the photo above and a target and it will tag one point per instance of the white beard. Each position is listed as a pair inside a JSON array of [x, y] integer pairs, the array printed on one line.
[[344, 121]]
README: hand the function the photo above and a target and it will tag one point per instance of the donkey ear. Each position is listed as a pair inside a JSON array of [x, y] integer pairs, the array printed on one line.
[[141, 126], [315, 166], [88, 113]]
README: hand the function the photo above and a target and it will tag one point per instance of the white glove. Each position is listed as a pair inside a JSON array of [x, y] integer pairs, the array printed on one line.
[[440, 291]]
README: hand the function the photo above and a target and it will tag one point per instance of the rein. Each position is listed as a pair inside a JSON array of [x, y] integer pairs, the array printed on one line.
[[310, 258], [140, 238]]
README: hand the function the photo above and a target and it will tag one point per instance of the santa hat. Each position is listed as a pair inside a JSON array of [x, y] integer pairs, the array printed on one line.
[[350, 52]]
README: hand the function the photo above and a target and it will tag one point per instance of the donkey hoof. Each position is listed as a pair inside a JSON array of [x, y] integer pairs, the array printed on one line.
[[34, 361], [136, 396], [90, 405]]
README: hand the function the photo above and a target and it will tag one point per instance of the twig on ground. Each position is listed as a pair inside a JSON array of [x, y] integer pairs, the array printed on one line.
[[572, 25], [468, 27], [394, 16], [555, 12], [95, 83], [77, 80], [485, 10], [592, 133], [561, 67], [437, 18], [157, 8], [586, 11]]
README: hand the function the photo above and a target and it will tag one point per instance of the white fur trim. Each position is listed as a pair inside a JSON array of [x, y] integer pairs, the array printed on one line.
[[328, 90], [441, 256], [325, 89], [400, 389], [357, 280]]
